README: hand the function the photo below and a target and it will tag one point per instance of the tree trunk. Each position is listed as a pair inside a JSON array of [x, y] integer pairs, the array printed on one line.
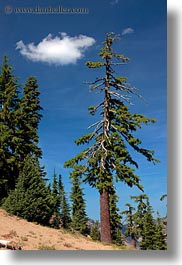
[[105, 217]]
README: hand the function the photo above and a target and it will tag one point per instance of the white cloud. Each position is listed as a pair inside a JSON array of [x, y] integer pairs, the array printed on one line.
[[127, 31], [62, 50]]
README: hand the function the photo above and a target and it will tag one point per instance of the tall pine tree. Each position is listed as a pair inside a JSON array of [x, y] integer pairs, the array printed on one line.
[[29, 118], [19, 119], [9, 91], [108, 155]]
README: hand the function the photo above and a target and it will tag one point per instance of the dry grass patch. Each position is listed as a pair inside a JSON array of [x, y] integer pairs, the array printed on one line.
[[36, 237]]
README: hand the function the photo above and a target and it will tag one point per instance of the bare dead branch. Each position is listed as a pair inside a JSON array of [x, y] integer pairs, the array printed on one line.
[[96, 86], [114, 127], [118, 95], [118, 63], [94, 82], [96, 123]]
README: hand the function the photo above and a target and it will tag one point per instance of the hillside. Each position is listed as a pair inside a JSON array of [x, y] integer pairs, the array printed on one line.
[[31, 236]]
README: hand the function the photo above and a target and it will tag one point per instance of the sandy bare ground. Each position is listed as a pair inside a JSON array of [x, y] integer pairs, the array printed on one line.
[[31, 236]]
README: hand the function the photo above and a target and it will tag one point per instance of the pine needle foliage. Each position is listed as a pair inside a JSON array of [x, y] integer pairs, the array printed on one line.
[[131, 226], [55, 194], [115, 219], [142, 225], [31, 198], [19, 119], [153, 236], [9, 102], [29, 118], [94, 232], [79, 216], [64, 205]]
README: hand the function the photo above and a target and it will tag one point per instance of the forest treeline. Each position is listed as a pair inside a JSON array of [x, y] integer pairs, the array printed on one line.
[[24, 187]]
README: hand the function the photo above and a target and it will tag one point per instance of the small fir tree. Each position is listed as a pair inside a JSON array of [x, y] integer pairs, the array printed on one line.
[[131, 230], [148, 232], [142, 203], [55, 220], [94, 231], [55, 194], [79, 216], [64, 206], [31, 198], [115, 219], [161, 236]]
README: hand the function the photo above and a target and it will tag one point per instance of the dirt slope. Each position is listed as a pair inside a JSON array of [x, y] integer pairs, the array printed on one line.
[[36, 237]]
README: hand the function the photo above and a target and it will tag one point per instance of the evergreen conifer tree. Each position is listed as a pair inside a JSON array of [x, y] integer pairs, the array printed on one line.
[[161, 236], [94, 232], [55, 194], [31, 198], [115, 219], [148, 232], [9, 91], [19, 119], [64, 206], [79, 216], [29, 118], [108, 155], [131, 230], [142, 203], [55, 220]]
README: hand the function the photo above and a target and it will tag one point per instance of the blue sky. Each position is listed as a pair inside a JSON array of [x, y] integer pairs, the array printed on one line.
[[64, 97]]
